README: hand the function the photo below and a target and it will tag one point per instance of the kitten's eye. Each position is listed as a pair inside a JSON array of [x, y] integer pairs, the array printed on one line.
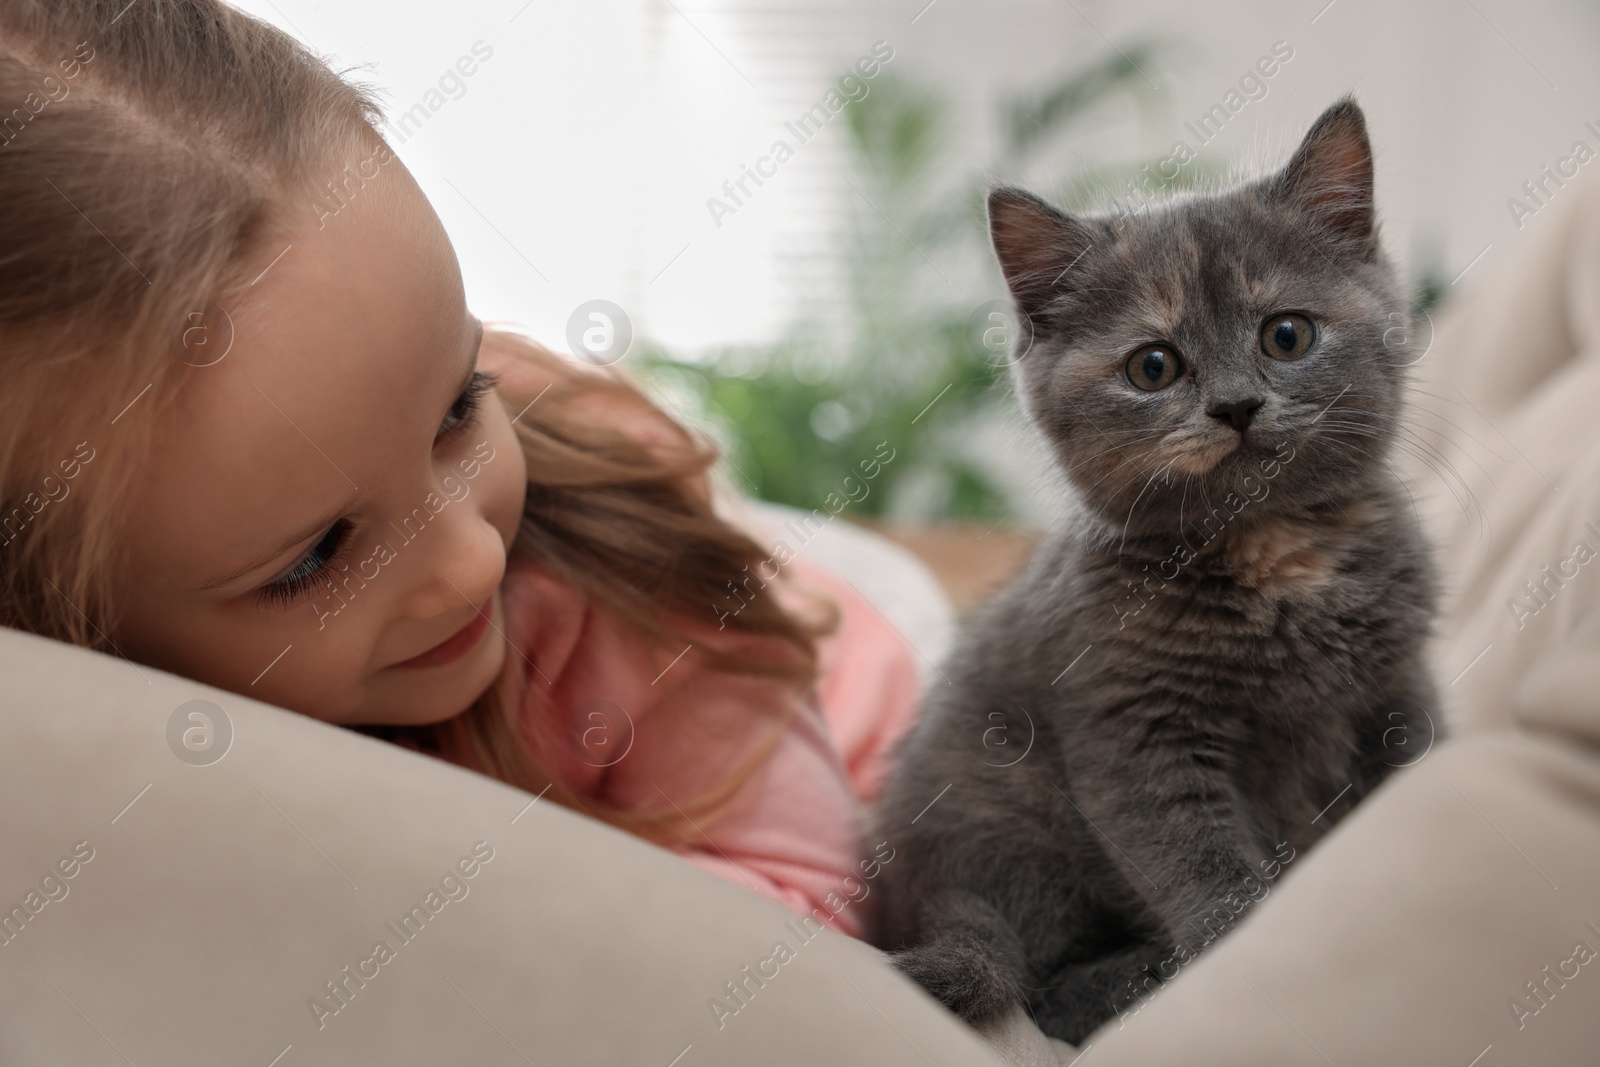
[[1287, 336], [1154, 367]]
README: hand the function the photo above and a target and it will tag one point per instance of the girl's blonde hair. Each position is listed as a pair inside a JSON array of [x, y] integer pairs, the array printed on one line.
[[146, 151]]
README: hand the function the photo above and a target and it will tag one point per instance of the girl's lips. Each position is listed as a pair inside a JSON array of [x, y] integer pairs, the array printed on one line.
[[458, 644]]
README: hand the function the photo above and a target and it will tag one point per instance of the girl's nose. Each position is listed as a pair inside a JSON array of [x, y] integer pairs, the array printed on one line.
[[460, 561]]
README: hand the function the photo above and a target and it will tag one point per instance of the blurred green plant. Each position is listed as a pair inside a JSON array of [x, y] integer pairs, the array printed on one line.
[[897, 362]]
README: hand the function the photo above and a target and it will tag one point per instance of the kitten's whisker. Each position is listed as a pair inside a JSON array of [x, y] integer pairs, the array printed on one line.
[[1147, 483], [1131, 459], [1118, 449], [1428, 456]]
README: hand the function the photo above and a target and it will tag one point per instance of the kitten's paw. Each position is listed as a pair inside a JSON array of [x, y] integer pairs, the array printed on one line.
[[963, 975]]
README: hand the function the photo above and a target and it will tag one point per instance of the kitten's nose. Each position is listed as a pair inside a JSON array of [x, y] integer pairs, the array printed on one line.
[[1238, 412]]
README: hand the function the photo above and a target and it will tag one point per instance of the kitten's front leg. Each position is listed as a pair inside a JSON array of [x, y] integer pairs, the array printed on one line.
[[1169, 818], [1400, 732], [1080, 996], [971, 959]]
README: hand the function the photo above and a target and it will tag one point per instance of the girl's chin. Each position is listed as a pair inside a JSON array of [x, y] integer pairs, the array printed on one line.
[[476, 674]]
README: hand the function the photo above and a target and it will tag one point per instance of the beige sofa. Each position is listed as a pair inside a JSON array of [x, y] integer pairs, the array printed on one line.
[[187, 912], [162, 905]]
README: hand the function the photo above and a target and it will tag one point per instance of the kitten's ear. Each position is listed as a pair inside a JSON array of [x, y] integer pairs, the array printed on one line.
[[1035, 243], [1330, 176]]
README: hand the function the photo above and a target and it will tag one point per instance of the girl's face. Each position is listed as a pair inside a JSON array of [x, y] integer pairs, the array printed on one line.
[[324, 521]]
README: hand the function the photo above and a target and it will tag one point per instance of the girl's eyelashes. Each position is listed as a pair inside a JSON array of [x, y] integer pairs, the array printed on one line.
[[300, 580], [462, 416], [463, 412]]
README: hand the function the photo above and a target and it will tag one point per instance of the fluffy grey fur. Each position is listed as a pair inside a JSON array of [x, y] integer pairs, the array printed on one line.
[[1228, 637]]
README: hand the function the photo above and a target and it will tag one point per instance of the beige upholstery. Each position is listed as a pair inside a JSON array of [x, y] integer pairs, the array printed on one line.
[[208, 905]]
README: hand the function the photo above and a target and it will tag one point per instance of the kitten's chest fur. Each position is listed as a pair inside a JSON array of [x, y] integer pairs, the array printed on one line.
[[1269, 649]]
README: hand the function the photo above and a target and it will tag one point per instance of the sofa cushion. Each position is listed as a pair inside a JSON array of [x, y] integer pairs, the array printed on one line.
[[190, 876]]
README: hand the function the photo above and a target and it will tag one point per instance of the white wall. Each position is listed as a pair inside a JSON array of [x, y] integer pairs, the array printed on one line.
[[592, 138]]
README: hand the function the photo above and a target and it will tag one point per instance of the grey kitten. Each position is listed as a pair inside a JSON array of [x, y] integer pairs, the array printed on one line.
[[1211, 663]]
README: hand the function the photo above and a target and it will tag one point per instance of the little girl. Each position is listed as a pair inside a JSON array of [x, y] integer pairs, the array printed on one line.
[[252, 435]]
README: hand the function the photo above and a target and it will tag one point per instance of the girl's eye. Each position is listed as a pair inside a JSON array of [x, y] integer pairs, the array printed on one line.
[[325, 553], [464, 411], [299, 581], [1153, 367], [1287, 336]]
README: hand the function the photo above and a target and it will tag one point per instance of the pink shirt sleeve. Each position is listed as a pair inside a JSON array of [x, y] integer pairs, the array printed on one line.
[[868, 684], [620, 720], [791, 832]]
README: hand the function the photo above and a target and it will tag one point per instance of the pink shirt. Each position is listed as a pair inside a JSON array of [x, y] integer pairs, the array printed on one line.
[[642, 727]]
